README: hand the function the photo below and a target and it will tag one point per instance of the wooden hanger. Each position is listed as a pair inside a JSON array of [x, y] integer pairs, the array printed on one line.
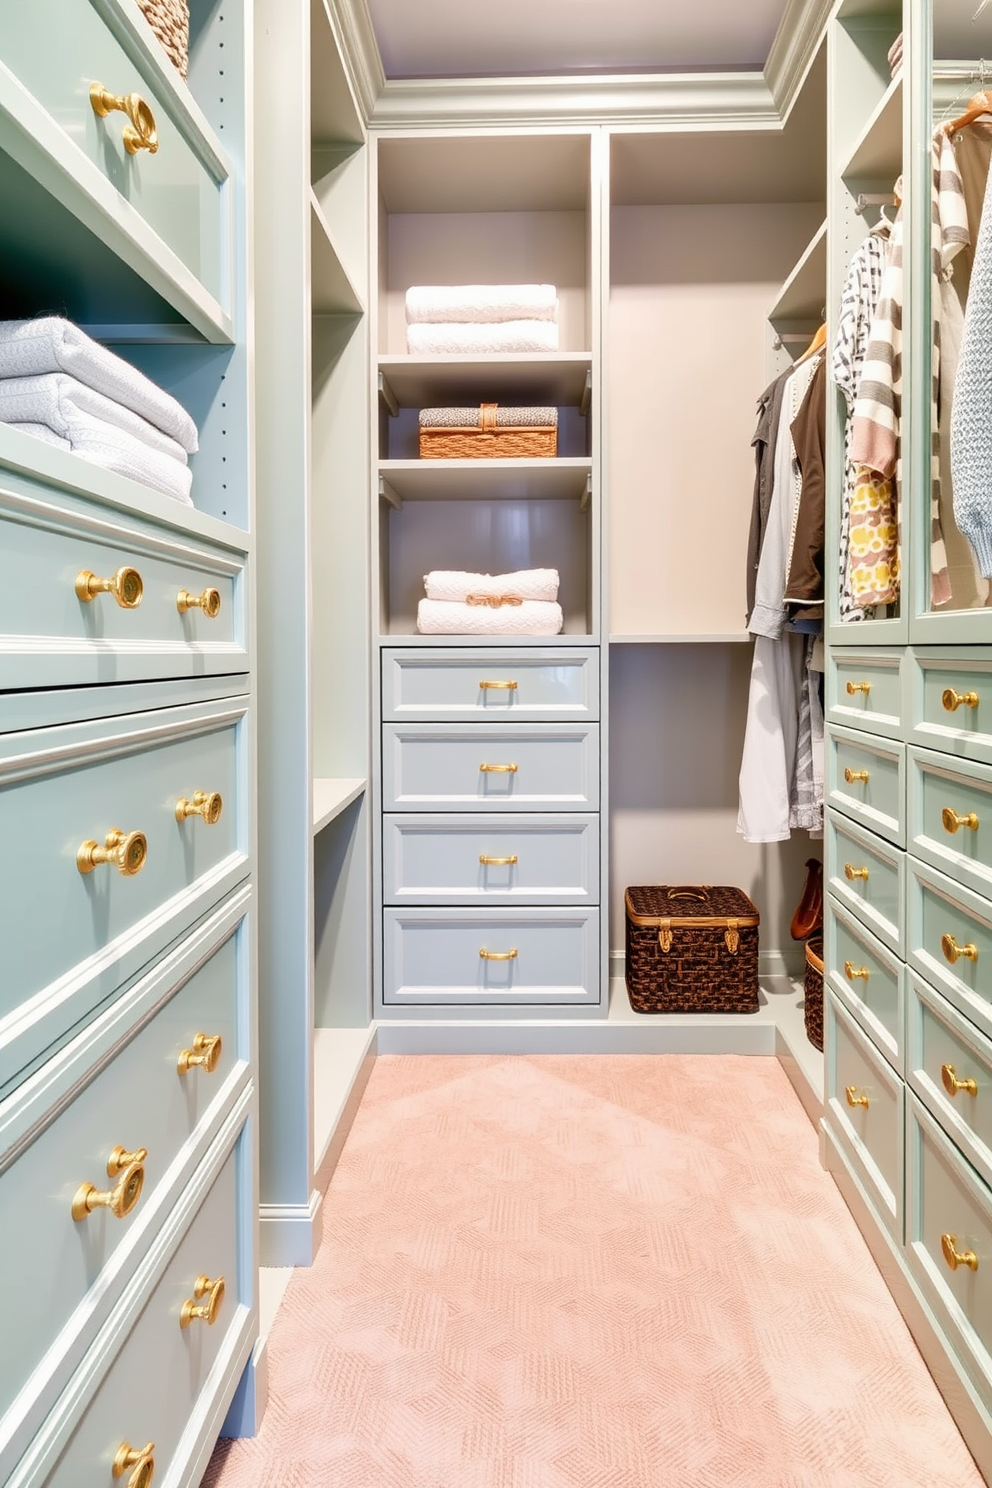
[[979, 105], [818, 341]]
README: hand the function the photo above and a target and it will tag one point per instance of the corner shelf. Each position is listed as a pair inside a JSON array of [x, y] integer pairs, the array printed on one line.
[[333, 292], [877, 151], [418, 382], [803, 294], [331, 797], [485, 480]]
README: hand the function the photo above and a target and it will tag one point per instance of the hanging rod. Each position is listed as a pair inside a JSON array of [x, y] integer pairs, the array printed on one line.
[[873, 199], [792, 339]]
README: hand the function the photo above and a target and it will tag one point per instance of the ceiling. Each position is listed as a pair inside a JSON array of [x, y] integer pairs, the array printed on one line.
[[464, 38]]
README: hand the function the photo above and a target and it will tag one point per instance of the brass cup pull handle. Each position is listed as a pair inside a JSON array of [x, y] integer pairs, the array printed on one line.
[[853, 1098], [194, 1310], [208, 601], [498, 686], [510, 955], [853, 688], [851, 873], [952, 700], [951, 820], [852, 776], [140, 133], [488, 862], [208, 804], [954, 952], [125, 851], [205, 1054], [138, 1461], [498, 769], [952, 1084], [856, 973], [120, 1199], [955, 1257], [125, 585]]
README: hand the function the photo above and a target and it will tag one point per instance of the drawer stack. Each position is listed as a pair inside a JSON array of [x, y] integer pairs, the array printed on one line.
[[490, 845]]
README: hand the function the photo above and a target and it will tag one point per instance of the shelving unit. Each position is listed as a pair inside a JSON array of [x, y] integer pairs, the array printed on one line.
[[803, 295], [331, 797], [485, 480], [877, 152]]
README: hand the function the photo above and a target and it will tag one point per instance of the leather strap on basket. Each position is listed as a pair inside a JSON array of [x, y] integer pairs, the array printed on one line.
[[487, 417], [665, 935], [732, 937]]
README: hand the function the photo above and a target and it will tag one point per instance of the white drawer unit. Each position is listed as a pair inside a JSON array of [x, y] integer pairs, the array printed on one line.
[[529, 859], [511, 767], [459, 686]]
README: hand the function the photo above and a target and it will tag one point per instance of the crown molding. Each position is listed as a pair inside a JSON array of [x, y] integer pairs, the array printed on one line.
[[796, 43], [352, 26]]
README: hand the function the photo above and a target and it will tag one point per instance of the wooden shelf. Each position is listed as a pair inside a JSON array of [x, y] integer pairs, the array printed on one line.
[[331, 797], [333, 292], [542, 377], [733, 637], [484, 480], [877, 152], [804, 293]]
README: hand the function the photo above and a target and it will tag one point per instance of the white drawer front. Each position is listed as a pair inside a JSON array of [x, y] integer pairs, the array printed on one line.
[[529, 859], [865, 1100], [516, 767], [460, 685], [491, 957]]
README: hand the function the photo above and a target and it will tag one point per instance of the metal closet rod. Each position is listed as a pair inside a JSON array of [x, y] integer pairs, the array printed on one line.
[[868, 199]]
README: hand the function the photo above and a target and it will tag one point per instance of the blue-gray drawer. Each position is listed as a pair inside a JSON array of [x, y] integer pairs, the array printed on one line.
[[74, 927], [868, 877], [553, 685], [91, 1145], [513, 767], [866, 779], [951, 700], [865, 1104], [949, 1066], [867, 978], [950, 941], [491, 957], [530, 859], [950, 817], [864, 689]]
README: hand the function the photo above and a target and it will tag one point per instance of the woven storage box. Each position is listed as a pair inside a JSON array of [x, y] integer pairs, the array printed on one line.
[[488, 432], [169, 19], [691, 949], [813, 991]]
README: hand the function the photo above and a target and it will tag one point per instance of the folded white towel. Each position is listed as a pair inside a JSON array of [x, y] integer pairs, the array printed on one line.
[[43, 432], [67, 406], [528, 583], [480, 304], [473, 340], [29, 348], [113, 448], [533, 617]]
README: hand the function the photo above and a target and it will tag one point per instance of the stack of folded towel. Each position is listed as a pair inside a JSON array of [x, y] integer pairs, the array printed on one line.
[[468, 319], [523, 603], [60, 386]]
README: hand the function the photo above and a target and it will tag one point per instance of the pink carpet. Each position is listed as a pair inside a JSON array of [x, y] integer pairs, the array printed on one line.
[[591, 1273]]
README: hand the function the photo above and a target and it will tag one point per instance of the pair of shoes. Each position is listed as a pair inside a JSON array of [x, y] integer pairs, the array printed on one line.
[[808, 916]]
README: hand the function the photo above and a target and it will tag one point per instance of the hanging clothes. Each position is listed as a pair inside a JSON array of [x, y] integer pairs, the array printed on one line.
[[763, 444], [804, 581], [971, 416]]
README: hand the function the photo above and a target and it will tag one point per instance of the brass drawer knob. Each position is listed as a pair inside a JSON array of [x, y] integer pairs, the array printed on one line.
[[488, 862], [195, 1310], [853, 688], [952, 700], [499, 955], [851, 873], [125, 585], [955, 1257], [498, 686], [205, 1054], [852, 776], [125, 851], [208, 602], [138, 1461], [855, 973], [498, 769], [208, 804], [126, 1192], [951, 820], [853, 1098], [952, 1084], [953, 952], [140, 132]]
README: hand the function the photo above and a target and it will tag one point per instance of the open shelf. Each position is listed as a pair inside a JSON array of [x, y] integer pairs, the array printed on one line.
[[339, 1067], [877, 151], [331, 797], [803, 295], [484, 480], [334, 115], [540, 377], [333, 292]]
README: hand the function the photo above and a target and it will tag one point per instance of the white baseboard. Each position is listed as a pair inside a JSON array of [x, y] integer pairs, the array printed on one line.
[[289, 1234], [244, 1415]]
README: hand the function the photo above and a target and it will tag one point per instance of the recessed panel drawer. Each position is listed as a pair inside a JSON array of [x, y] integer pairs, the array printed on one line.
[[866, 779], [868, 877], [459, 685], [865, 1102], [951, 701], [950, 817], [530, 859], [950, 941], [111, 789], [491, 957], [867, 978], [515, 767], [950, 1068], [865, 690]]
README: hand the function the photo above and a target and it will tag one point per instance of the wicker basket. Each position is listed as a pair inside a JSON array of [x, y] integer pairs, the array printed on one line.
[[497, 434], [813, 991], [691, 950], [169, 19]]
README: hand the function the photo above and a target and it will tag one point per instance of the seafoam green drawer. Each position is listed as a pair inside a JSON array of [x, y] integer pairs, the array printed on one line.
[[146, 1075], [552, 685], [865, 1104], [868, 877], [950, 941], [950, 1068], [867, 978], [866, 779], [455, 859], [864, 690], [950, 692], [950, 816], [508, 767], [61, 788]]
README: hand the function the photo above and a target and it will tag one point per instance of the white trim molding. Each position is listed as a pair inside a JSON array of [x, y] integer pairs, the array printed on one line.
[[352, 26], [796, 44], [289, 1234]]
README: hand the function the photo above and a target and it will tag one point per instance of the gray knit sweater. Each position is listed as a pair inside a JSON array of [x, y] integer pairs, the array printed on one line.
[[971, 414]]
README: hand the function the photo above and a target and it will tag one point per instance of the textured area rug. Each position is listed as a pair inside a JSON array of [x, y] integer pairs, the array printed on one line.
[[591, 1273]]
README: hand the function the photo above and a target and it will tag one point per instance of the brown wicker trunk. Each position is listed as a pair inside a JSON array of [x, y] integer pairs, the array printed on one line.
[[169, 19], [500, 434], [691, 949], [813, 991]]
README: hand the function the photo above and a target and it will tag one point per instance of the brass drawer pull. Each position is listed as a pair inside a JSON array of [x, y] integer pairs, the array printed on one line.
[[851, 776], [498, 769], [853, 1098], [498, 686], [140, 133], [125, 851], [129, 1169], [208, 602], [856, 973], [952, 1084], [125, 585], [208, 804], [853, 688], [953, 952], [499, 955], [952, 700], [139, 1461], [207, 1312], [851, 873], [205, 1054], [955, 1257], [488, 862], [951, 820]]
